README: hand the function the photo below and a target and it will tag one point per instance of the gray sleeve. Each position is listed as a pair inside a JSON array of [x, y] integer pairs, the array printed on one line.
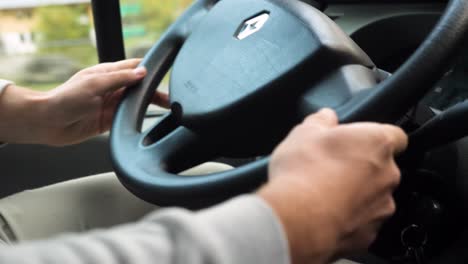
[[243, 230]]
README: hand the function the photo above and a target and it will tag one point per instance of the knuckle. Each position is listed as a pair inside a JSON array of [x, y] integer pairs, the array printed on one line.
[[94, 81], [398, 137], [123, 76], [107, 66], [323, 118], [374, 167], [311, 124], [392, 175], [296, 131], [307, 131], [387, 207], [395, 175], [391, 207], [386, 141], [120, 78], [309, 120]]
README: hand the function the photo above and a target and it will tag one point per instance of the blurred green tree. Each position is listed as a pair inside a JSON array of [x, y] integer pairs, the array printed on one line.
[[145, 20], [160, 14], [157, 15], [58, 23], [65, 30]]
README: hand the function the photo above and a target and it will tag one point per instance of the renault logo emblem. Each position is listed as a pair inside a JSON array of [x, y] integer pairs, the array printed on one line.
[[252, 25]]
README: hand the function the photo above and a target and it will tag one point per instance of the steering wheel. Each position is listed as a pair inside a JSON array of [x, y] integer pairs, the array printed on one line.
[[243, 74]]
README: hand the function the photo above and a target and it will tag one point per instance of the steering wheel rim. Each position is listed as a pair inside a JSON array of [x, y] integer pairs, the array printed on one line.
[[148, 169]]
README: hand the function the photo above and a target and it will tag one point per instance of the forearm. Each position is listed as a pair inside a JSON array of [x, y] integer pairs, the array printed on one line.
[[244, 230], [22, 114]]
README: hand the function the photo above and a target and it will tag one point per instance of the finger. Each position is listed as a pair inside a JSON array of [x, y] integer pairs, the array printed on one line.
[[397, 137], [392, 137], [110, 82], [120, 65], [110, 104], [324, 118], [115, 66], [161, 99], [360, 240], [383, 206], [394, 175]]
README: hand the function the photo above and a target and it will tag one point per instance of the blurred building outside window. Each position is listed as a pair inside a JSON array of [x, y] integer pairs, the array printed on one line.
[[44, 42]]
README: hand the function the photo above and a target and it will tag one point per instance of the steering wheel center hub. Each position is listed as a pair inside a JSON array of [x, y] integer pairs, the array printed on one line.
[[250, 55]]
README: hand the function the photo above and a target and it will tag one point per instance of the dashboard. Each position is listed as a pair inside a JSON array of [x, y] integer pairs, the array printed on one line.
[[453, 88], [390, 33]]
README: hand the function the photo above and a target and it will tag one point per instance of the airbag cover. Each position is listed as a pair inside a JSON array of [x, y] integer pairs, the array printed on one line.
[[215, 70]]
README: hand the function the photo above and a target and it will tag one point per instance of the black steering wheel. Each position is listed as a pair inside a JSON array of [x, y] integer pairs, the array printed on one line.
[[243, 74]]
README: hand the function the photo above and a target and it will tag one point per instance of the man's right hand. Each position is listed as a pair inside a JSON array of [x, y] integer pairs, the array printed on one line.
[[331, 185]]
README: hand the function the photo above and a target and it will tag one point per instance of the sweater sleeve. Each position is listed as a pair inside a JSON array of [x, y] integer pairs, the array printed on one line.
[[243, 230]]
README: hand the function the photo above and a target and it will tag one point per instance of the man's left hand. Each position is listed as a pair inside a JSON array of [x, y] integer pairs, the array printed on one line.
[[79, 109]]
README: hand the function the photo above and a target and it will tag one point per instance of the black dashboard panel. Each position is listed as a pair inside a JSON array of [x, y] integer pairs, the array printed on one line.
[[386, 30], [390, 33], [453, 88]]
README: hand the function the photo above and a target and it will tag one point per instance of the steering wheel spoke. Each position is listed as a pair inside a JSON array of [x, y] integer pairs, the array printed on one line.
[[166, 133], [340, 89], [163, 127], [179, 150], [157, 166]]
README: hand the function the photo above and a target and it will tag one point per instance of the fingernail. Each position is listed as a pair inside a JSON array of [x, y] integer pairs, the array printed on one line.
[[140, 71]]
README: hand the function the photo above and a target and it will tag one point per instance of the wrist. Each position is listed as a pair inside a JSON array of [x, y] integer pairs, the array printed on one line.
[[22, 114], [310, 240]]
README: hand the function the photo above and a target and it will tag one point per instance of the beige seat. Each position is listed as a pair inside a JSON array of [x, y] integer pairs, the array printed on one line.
[[75, 206]]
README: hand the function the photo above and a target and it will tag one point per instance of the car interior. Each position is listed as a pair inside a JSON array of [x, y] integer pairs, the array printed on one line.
[[239, 81]]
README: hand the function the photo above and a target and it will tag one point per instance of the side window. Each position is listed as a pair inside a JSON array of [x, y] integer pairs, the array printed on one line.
[[42, 45], [144, 21]]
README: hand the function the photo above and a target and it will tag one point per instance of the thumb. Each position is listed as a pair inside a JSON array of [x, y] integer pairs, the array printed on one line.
[[324, 118], [113, 81], [161, 99]]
